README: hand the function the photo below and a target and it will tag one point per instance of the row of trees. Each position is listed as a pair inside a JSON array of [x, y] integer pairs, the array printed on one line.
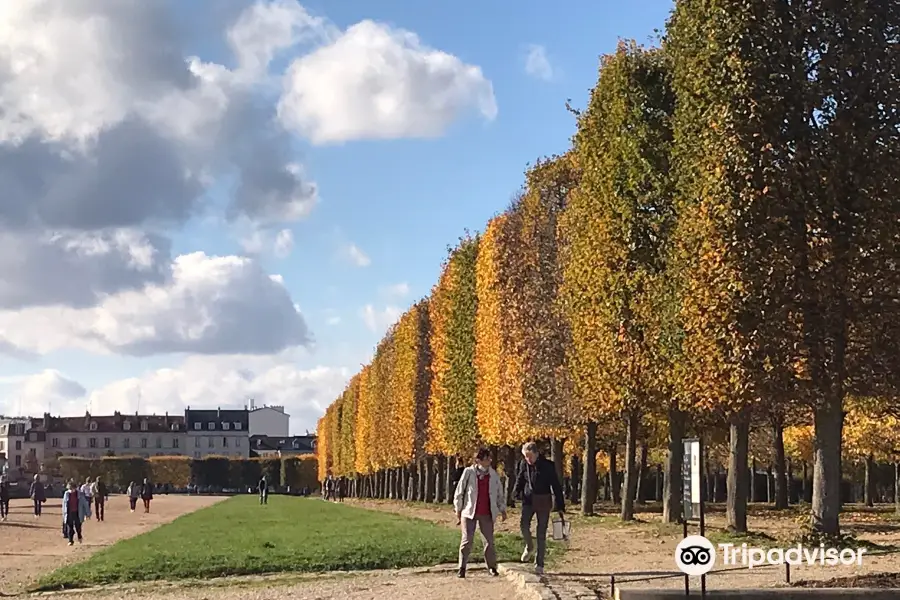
[[296, 472], [716, 254]]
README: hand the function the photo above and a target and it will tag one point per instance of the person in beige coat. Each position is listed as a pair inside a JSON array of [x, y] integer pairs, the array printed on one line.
[[479, 500]]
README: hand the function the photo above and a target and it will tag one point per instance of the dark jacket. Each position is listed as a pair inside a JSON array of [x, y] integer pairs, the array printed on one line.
[[4, 490], [542, 474], [263, 485], [37, 491], [147, 491], [102, 492]]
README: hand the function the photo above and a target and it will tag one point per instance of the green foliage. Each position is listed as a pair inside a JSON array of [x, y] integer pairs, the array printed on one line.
[[174, 470], [299, 472]]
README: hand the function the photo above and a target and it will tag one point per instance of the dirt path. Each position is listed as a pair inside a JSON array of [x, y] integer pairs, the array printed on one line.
[[601, 546], [31, 547]]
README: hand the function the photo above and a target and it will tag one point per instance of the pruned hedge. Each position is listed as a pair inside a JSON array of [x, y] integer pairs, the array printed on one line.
[[181, 471]]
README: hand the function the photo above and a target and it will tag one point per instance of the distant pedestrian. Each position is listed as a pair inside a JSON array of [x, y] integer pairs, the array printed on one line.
[[341, 489], [87, 490], [38, 495], [263, 489], [479, 500], [134, 492], [74, 511], [541, 492], [147, 494], [100, 493], [4, 498]]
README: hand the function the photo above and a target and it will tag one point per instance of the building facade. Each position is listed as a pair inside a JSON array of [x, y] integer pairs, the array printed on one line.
[[273, 446], [218, 432], [94, 436], [21, 444], [269, 420]]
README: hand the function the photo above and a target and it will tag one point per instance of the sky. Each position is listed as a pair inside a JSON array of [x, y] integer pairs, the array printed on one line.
[[204, 202]]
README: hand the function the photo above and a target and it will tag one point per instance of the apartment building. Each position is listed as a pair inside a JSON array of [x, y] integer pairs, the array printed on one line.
[[269, 421], [94, 436], [274, 446], [21, 443], [218, 432]]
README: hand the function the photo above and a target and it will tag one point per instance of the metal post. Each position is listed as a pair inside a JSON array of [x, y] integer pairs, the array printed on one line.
[[612, 586], [687, 580], [787, 572], [702, 508]]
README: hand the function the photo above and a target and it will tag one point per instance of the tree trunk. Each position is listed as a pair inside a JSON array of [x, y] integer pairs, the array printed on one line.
[[826, 493], [716, 492], [429, 479], [897, 487], [509, 466], [450, 490], [558, 457], [736, 505], [782, 474], [672, 482], [753, 495], [589, 483], [440, 480], [869, 490], [576, 477], [631, 467], [614, 487], [770, 485], [658, 486], [807, 484], [642, 476]]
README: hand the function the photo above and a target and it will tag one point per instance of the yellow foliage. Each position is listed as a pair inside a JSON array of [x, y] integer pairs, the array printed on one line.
[[365, 411], [405, 385], [799, 442]]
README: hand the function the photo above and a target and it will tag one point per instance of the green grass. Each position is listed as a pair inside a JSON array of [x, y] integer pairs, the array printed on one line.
[[238, 537]]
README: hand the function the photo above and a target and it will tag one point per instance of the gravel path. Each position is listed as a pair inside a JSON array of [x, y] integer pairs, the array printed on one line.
[[31, 547]]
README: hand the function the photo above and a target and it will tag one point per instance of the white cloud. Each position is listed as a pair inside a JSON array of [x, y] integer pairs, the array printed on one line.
[[353, 254], [257, 241], [284, 243], [376, 82], [397, 290], [537, 64], [225, 381], [379, 320], [212, 305]]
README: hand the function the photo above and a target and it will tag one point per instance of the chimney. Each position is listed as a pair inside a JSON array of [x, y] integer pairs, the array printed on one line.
[[46, 421], [166, 419], [218, 412]]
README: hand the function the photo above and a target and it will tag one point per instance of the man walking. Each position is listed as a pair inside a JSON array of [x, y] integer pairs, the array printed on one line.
[[74, 511], [4, 498], [263, 490], [87, 490], [100, 494], [146, 494], [541, 492], [479, 500], [38, 495]]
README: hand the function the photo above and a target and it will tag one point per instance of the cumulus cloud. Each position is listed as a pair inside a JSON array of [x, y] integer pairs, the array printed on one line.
[[225, 381], [537, 64], [376, 82], [354, 255], [212, 305], [397, 290], [379, 320]]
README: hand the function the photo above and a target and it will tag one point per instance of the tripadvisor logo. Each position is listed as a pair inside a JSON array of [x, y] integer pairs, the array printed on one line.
[[696, 555]]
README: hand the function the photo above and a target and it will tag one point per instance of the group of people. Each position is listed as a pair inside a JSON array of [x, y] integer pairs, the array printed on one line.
[[480, 499], [334, 489]]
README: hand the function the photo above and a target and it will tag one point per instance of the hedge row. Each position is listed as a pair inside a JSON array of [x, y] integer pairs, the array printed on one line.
[[181, 471]]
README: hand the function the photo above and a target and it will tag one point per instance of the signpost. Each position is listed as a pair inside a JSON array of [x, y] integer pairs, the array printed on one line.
[[692, 496]]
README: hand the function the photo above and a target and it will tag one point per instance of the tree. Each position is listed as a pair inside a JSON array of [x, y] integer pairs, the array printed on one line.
[[619, 221], [349, 399], [408, 382], [364, 433]]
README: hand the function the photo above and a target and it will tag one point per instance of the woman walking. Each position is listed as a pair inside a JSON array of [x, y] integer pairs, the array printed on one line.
[[146, 494], [74, 511], [87, 490], [38, 495], [134, 492], [479, 500], [4, 498]]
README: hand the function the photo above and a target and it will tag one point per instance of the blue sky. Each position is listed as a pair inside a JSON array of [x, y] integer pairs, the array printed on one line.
[[400, 202]]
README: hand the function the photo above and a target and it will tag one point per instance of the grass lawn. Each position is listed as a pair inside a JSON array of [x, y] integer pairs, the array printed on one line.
[[239, 537]]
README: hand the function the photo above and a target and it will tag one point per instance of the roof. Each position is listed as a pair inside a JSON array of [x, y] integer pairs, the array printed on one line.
[[217, 416], [299, 444], [113, 423]]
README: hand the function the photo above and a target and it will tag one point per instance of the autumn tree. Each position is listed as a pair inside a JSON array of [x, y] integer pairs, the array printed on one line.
[[364, 432], [619, 219], [349, 399]]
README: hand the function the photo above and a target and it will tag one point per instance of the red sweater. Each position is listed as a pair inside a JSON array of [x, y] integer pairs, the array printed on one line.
[[483, 504]]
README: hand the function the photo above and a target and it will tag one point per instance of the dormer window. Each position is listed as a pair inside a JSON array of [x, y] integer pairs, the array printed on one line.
[[296, 443], [237, 424], [93, 425], [126, 425], [226, 425], [198, 425], [174, 426], [211, 425], [143, 425]]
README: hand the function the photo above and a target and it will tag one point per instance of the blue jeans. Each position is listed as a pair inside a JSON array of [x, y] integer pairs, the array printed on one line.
[[543, 520]]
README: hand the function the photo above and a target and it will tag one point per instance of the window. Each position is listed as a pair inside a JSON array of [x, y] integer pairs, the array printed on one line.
[[143, 442], [159, 442], [55, 442], [174, 442], [212, 442], [92, 443], [106, 442], [237, 424], [174, 426], [18, 444], [210, 425], [126, 425], [93, 425], [32, 437], [18, 460], [126, 443], [224, 442], [196, 442], [226, 425], [237, 442], [196, 455], [198, 425], [2, 445], [73, 443], [143, 425]]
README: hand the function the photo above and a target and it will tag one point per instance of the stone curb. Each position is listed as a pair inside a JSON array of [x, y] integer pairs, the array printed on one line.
[[530, 586]]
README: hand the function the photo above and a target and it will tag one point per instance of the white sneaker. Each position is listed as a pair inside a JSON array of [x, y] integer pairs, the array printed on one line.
[[525, 555], [539, 570]]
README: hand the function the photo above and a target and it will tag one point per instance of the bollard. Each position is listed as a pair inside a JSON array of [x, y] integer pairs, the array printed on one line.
[[787, 572], [612, 586]]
